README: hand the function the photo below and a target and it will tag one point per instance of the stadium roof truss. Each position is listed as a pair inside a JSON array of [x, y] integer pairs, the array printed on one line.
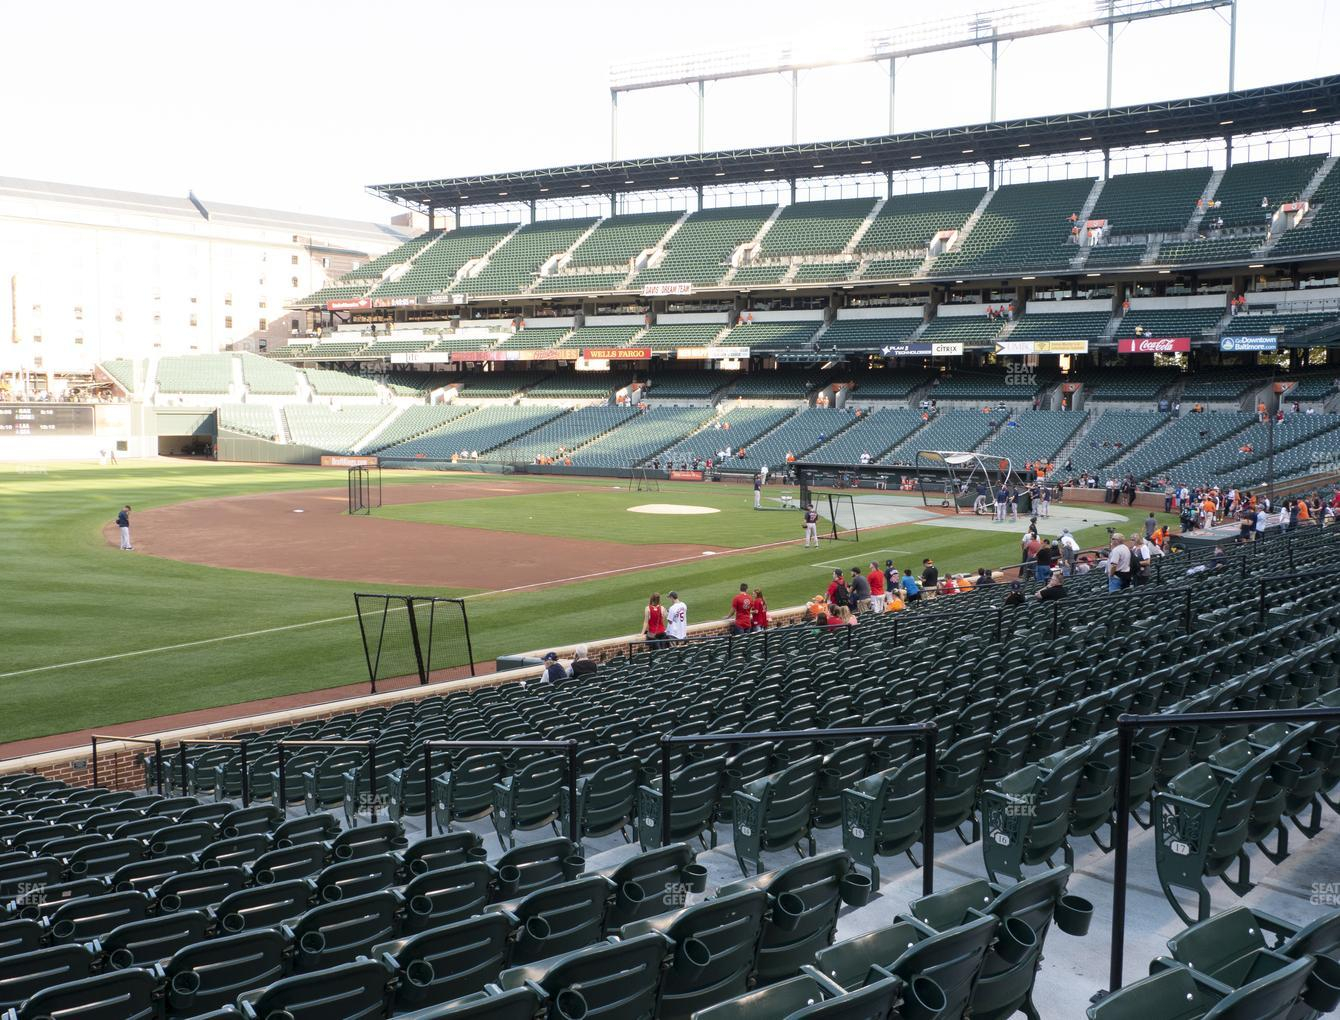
[[1224, 115]]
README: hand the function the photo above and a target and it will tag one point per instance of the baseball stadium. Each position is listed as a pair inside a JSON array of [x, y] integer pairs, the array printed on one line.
[[893, 577]]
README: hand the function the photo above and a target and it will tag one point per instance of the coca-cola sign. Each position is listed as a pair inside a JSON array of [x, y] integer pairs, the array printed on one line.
[[1154, 345]]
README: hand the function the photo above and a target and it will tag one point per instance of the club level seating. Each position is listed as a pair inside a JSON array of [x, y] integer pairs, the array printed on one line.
[[685, 384], [1244, 185], [908, 222], [699, 251], [465, 341], [122, 370], [642, 437], [791, 383], [535, 338], [417, 421], [1173, 322], [569, 431], [335, 292], [407, 383], [1215, 249], [580, 385], [968, 329], [481, 430], [1025, 227], [1321, 230], [893, 383], [565, 283], [253, 419], [336, 348], [373, 269], [269, 377], [1034, 435], [1315, 387], [825, 272], [1127, 384], [436, 265], [746, 425], [327, 428], [1112, 432], [951, 429], [328, 383], [1115, 255], [669, 336], [1278, 322], [1222, 384], [873, 434], [990, 386], [1181, 439], [384, 347], [1162, 201], [602, 336], [760, 274], [479, 385], [815, 228], [867, 334], [773, 336], [199, 373], [618, 239], [889, 269], [1043, 325]]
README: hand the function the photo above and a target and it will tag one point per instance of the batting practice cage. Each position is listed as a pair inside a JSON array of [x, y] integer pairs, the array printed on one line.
[[404, 635], [967, 483], [365, 489]]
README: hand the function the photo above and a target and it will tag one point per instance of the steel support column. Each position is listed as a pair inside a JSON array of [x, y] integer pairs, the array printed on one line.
[[795, 107], [893, 79], [1232, 42], [614, 124], [995, 67], [1111, 48], [702, 114]]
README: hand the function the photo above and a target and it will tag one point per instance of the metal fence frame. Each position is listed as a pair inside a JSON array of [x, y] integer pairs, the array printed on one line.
[[569, 747]]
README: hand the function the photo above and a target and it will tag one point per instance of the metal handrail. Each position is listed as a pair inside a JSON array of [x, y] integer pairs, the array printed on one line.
[[371, 745], [155, 743], [1127, 728], [220, 742], [926, 730], [568, 746]]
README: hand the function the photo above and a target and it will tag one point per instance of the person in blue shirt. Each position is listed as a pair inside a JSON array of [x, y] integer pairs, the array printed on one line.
[[123, 522], [910, 586]]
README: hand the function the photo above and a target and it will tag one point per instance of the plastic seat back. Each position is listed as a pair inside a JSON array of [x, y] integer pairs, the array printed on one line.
[[211, 974], [612, 980], [447, 895], [338, 932], [351, 991], [448, 961]]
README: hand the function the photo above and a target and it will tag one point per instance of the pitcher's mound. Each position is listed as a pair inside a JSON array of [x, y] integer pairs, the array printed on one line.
[[671, 508]]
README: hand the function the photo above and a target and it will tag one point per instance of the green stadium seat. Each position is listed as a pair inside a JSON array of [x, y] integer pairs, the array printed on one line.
[[1158, 202], [529, 798], [1179, 993], [1026, 815], [613, 980], [558, 919], [1024, 228], [355, 990], [815, 228], [699, 251], [447, 961], [909, 222], [446, 895]]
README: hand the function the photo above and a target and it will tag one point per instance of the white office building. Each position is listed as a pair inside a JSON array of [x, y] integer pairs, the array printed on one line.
[[90, 274]]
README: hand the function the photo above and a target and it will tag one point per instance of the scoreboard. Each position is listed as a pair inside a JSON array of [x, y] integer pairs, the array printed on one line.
[[46, 420]]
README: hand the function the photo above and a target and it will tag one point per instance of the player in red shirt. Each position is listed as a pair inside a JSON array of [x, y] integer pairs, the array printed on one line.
[[759, 614], [742, 610], [876, 579]]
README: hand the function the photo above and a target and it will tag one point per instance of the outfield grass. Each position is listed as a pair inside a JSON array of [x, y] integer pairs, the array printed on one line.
[[70, 597]]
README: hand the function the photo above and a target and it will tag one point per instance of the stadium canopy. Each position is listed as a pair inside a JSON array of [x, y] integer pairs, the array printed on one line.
[[1241, 112]]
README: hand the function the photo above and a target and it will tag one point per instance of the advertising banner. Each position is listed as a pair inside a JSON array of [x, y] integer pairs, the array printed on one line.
[[1249, 343], [1042, 347], [349, 304], [1154, 345], [666, 289], [686, 476], [616, 353], [712, 353], [328, 460]]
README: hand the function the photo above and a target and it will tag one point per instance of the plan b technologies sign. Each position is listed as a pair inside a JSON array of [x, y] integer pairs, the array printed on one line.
[[1249, 343]]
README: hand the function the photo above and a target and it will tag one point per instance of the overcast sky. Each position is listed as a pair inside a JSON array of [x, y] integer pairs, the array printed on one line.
[[297, 104]]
